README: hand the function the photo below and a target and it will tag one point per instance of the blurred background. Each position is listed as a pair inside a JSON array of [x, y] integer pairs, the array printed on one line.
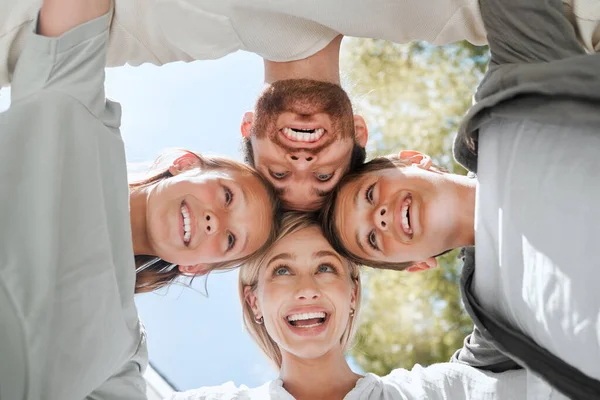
[[413, 96]]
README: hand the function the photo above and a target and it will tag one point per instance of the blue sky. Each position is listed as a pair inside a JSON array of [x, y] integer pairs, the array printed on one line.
[[193, 340]]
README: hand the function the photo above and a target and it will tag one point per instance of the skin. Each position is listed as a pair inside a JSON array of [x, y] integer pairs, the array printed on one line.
[[230, 216], [441, 213], [296, 278], [304, 171]]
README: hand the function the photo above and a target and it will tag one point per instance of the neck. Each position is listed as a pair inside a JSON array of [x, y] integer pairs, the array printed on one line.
[[467, 189], [137, 217], [321, 66], [327, 377]]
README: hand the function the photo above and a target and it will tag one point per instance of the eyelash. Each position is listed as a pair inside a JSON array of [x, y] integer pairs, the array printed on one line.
[[369, 199], [280, 267], [334, 270], [229, 196], [369, 193], [229, 193], [372, 243], [230, 241]]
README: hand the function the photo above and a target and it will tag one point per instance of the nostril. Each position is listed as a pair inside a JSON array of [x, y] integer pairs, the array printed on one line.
[[294, 158], [208, 228], [382, 212], [383, 223], [208, 217], [309, 159]]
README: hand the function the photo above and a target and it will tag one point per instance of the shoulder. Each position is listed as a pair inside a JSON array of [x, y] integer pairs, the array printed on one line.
[[227, 391]]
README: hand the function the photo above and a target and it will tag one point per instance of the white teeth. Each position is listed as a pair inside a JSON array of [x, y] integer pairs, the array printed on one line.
[[187, 225], [309, 326], [405, 225], [303, 316], [303, 136]]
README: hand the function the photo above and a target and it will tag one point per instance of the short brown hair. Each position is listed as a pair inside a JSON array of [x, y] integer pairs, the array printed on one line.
[[152, 272]]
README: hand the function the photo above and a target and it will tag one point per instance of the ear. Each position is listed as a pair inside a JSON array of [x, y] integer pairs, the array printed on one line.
[[415, 157], [246, 126], [193, 270], [361, 132], [184, 162], [251, 300], [354, 295], [423, 265]]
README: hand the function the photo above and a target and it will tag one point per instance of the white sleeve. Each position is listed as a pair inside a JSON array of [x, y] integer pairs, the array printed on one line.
[[134, 37], [456, 381]]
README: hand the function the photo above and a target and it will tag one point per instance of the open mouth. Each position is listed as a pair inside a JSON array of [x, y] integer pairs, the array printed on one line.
[[187, 223], [307, 320], [303, 135], [405, 214]]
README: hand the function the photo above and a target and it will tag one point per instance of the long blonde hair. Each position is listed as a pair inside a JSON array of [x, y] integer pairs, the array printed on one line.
[[291, 222], [152, 272]]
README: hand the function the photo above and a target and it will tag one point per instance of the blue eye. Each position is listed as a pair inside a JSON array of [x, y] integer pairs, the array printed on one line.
[[278, 175], [228, 195], [369, 194], [323, 177], [230, 241], [326, 268], [373, 240], [281, 271]]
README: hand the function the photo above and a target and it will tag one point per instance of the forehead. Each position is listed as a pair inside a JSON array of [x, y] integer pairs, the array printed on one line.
[[298, 242]]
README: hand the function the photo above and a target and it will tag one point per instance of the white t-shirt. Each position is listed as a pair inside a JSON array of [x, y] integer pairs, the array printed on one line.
[[69, 327], [162, 31], [537, 236], [448, 381]]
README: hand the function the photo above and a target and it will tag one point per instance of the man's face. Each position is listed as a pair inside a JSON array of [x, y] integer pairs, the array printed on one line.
[[302, 135]]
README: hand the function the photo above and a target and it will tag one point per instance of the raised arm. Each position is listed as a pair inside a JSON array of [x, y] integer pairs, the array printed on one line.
[[60, 16]]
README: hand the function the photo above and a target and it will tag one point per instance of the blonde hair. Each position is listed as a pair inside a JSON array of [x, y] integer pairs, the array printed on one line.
[[291, 222], [152, 272]]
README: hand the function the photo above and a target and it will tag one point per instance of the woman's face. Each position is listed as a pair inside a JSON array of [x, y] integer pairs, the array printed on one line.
[[203, 217], [305, 294], [398, 215]]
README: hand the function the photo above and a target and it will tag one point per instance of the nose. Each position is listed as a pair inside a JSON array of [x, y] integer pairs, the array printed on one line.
[[210, 222], [302, 160], [307, 290], [382, 218]]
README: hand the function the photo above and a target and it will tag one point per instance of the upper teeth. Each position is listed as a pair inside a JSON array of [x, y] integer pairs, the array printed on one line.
[[298, 135], [303, 316], [187, 226], [405, 224]]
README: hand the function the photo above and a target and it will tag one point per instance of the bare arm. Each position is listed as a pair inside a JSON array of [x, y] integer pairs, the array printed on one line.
[[59, 16]]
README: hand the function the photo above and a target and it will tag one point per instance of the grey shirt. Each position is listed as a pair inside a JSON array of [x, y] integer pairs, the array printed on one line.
[[70, 328], [539, 74]]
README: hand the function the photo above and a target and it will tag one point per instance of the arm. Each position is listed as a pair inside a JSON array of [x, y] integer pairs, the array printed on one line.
[[60, 16]]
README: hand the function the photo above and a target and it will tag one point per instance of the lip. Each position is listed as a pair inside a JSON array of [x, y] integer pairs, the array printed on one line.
[[398, 216], [301, 145], [317, 330], [192, 223]]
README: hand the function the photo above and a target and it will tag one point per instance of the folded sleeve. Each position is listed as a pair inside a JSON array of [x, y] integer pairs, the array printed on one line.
[[72, 64], [481, 353]]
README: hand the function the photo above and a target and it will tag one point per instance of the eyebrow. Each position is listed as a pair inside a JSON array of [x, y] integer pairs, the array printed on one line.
[[359, 242], [319, 192], [325, 253], [281, 191], [282, 256]]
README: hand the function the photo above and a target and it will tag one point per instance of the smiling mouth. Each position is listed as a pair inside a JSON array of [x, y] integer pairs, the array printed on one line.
[[303, 135], [307, 320], [405, 214], [187, 224]]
